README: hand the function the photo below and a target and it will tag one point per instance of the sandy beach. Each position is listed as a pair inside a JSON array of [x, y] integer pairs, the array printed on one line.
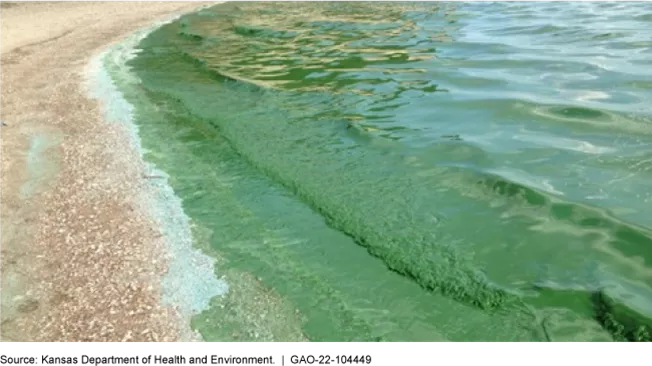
[[81, 259]]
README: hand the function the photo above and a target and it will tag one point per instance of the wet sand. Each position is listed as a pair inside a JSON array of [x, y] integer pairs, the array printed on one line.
[[81, 258]]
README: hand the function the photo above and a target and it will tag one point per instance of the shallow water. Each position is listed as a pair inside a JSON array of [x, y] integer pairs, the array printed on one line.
[[411, 171]]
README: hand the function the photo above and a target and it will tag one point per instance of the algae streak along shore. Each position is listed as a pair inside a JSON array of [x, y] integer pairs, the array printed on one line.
[[189, 282]]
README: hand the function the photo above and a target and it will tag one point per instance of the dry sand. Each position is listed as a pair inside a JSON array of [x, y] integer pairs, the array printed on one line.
[[80, 259]]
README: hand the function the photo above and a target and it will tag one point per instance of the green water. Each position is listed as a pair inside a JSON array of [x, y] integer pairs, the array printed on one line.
[[411, 171]]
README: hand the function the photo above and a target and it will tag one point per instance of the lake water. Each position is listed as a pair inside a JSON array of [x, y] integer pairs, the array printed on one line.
[[411, 171]]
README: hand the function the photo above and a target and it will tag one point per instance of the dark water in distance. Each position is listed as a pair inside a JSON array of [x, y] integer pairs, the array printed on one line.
[[412, 171]]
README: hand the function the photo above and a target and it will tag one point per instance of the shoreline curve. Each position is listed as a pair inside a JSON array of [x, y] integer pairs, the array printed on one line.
[[83, 258]]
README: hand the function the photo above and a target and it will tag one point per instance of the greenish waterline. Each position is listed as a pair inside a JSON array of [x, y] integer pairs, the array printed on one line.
[[300, 194]]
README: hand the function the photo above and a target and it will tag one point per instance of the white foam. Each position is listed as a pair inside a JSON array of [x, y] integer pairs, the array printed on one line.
[[190, 281], [564, 143]]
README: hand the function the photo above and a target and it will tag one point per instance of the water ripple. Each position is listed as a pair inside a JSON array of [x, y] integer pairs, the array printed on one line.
[[488, 151]]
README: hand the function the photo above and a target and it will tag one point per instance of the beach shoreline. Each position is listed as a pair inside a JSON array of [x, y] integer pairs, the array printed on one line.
[[82, 257]]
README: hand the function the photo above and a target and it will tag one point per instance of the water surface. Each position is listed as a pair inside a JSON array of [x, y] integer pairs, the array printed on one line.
[[411, 171]]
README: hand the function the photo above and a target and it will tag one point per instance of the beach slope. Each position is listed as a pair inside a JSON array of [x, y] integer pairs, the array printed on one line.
[[81, 259]]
